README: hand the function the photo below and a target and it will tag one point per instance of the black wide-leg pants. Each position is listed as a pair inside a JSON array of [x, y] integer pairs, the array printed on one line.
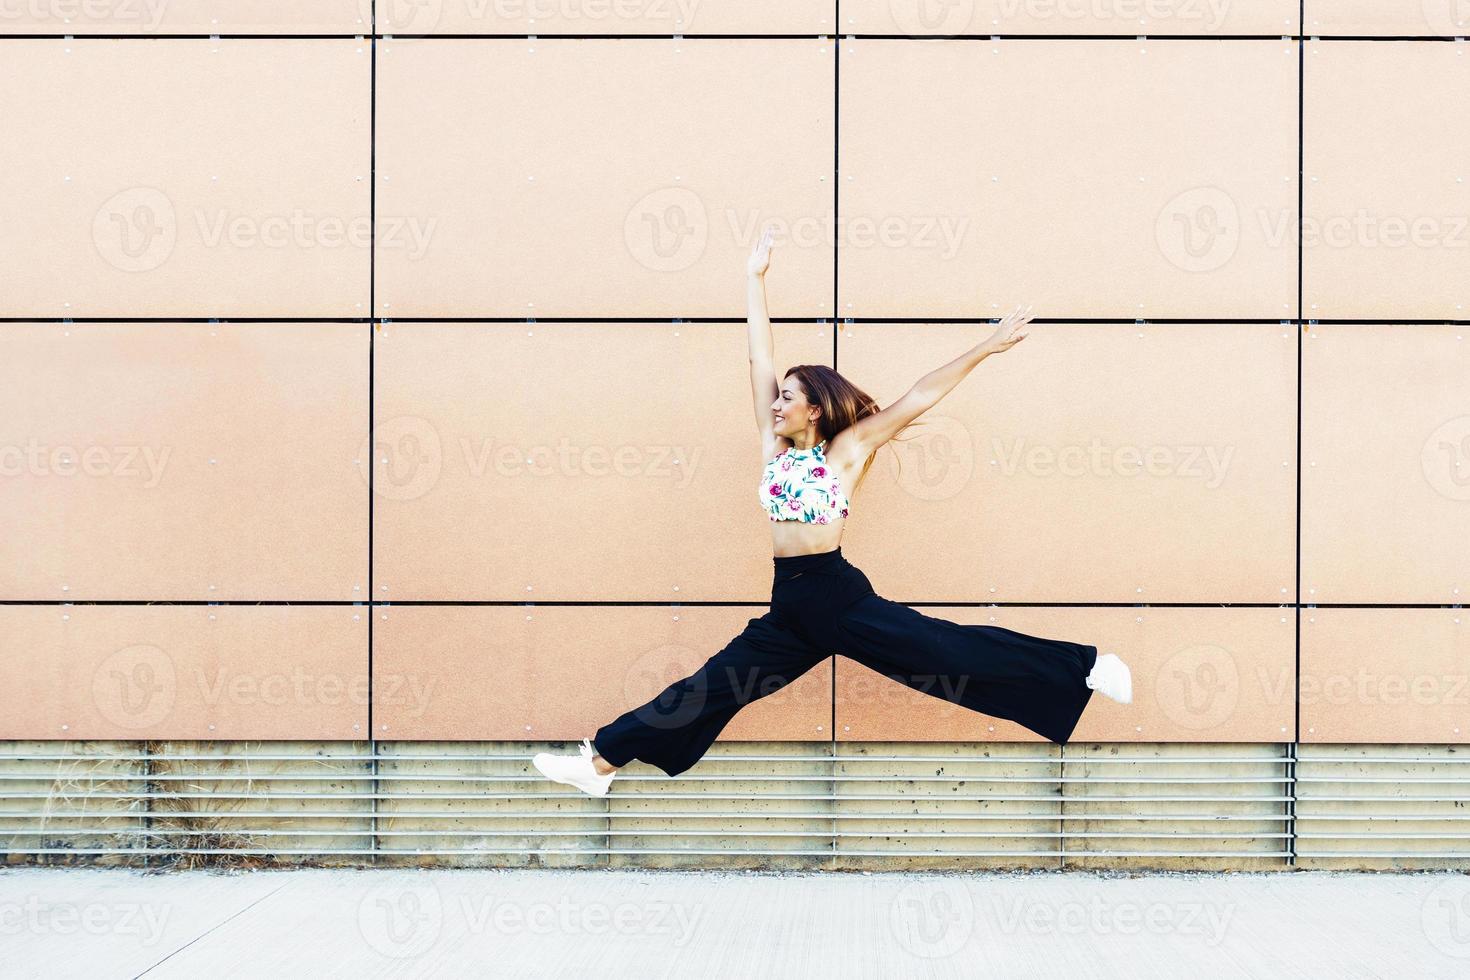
[[820, 605]]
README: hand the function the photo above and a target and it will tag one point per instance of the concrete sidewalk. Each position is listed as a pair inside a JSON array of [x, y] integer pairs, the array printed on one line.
[[284, 924]]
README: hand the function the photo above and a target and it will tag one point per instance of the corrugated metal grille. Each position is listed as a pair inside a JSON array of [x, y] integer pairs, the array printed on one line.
[[823, 805]]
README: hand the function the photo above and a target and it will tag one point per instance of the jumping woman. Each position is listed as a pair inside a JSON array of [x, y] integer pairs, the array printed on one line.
[[818, 432]]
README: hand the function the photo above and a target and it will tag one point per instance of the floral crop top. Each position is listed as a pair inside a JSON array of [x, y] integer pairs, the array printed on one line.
[[799, 486]]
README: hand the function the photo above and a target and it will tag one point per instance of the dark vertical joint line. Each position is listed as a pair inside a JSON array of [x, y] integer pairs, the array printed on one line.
[[372, 382], [836, 331], [1301, 97]]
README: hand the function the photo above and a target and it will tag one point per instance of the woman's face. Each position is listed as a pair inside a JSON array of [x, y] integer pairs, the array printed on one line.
[[793, 412]]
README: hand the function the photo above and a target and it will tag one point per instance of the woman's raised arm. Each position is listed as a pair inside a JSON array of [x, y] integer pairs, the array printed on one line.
[[865, 436], [763, 384]]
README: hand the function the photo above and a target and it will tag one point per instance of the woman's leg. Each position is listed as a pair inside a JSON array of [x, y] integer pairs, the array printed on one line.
[[1034, 681], [675, 729]]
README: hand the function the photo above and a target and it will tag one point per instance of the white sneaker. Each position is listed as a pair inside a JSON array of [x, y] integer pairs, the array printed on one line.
[[574, 770], [1111, 676]]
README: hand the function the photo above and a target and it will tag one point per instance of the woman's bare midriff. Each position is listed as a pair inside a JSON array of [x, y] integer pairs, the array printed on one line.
[[790, 538]]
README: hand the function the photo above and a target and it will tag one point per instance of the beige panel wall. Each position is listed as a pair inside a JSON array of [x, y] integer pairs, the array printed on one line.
[[1199, 675], [1385, 233], [489, 672], [620, 439], [183, 461], [1000, 173], [195, 672], [1095, 462], [541, 190], [187, 178], [922, 18], [1385, 675], [1103, 468], [1385, 464]]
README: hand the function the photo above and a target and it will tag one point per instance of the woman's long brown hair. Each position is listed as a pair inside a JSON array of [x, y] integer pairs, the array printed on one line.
[[842, 402]]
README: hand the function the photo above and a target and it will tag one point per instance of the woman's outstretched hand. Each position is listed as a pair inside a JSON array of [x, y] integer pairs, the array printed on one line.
[[1008, 333], [760, 256]]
